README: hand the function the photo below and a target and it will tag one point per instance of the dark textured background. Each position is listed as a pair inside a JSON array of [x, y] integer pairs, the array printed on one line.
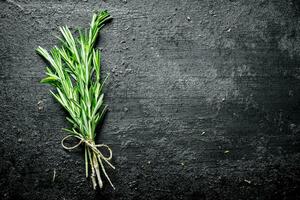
[[204, 100]]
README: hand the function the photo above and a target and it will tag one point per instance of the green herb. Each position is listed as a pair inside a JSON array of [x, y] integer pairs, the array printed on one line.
[[75, 73]]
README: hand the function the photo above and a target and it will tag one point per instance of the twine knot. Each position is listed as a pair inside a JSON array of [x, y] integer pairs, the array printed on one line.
[[94, 159]]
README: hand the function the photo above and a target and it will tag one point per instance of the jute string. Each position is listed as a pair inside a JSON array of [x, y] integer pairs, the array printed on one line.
[[95, 148]]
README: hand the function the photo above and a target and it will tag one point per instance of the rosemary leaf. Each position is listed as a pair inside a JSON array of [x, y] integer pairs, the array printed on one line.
[[74, 71]]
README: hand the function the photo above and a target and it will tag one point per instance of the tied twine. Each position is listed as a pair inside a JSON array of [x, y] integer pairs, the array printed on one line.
[[94, 147]]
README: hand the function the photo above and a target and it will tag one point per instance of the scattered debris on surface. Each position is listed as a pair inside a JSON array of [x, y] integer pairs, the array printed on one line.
[[40, 105], [292, 126], [247, 181], [54, 175]]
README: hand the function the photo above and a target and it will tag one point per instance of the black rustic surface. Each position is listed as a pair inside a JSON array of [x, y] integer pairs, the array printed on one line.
[[204, 100]]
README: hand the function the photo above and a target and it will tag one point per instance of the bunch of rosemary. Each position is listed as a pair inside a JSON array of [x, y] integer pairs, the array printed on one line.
[[75, 73]]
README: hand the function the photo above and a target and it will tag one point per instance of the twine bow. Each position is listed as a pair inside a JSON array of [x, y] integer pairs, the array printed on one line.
[[94, 159]]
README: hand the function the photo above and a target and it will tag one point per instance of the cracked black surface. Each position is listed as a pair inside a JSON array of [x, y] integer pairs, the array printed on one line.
[[203, 100]]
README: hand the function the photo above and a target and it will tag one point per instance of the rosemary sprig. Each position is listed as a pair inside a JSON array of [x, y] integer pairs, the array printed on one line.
[[75, 73]]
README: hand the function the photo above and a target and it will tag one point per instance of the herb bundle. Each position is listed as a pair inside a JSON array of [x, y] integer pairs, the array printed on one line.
[[75, 73]]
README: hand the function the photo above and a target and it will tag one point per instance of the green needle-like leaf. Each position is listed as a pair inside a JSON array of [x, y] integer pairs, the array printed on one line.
[[74, 70]]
